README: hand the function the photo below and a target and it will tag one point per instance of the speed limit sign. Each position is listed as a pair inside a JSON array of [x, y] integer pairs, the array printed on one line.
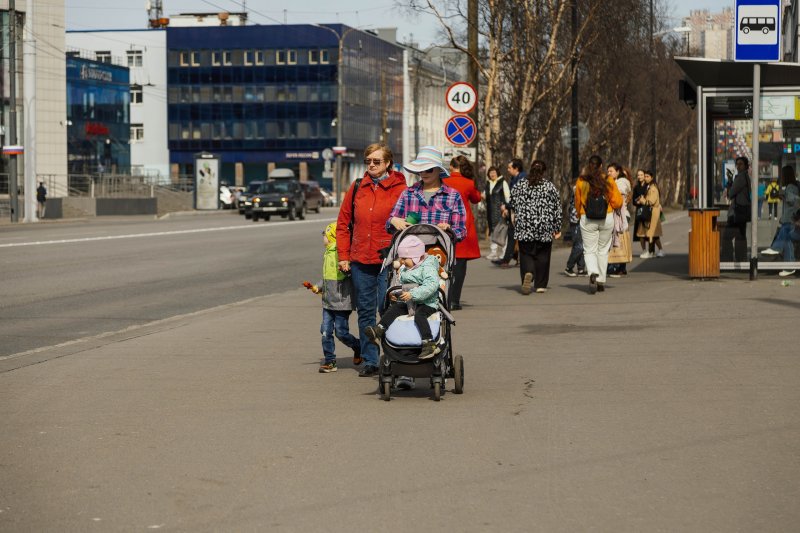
[[461, 97]]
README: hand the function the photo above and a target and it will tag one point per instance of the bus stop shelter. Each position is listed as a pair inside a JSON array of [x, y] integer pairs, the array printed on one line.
[[724, 92]]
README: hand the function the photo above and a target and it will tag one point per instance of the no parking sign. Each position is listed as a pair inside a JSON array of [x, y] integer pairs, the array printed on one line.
[[460, 130]]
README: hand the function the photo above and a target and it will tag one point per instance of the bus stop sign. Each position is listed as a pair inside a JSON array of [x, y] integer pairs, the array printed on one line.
[[758, 30]]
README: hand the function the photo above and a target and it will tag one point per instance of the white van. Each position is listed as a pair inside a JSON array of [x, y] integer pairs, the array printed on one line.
[[282, 174]]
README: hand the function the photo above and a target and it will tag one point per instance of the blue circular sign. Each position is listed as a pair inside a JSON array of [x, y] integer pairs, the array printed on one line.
[[460, 130]]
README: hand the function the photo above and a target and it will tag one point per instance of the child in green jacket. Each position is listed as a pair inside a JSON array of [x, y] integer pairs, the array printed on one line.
[[336, 289], [422, 269]]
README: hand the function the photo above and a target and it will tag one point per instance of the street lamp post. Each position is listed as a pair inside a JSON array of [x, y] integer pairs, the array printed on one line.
[[338, 182]]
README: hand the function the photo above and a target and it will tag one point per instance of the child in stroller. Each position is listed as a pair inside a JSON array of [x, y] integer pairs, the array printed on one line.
[[422, 269]]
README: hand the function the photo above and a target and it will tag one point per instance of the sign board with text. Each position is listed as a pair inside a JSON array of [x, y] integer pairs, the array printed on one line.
[[461, 97]]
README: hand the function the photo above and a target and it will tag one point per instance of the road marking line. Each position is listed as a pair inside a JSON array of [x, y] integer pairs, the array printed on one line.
[[161, 233]]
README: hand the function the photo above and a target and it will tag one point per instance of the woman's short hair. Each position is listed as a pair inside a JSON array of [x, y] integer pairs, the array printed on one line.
[[388, 156], [489, 171]]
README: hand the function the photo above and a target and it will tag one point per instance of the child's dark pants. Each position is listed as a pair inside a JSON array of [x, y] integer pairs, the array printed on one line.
[[421, 314]]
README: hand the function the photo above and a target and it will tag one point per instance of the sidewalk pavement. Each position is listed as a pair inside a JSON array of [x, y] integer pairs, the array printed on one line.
[[662, 404]]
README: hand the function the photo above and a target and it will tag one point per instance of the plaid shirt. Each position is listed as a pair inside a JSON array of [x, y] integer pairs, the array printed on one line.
[[445, 206]]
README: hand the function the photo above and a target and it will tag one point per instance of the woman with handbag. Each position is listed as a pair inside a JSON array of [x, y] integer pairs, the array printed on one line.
[[496, 195], [639, 190], [621, 250], [596, 197], [650, 228]]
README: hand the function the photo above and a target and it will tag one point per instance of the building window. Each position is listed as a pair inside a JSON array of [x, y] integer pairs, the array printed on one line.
[[291, 57], [136, 94], [103, 57], [134, 58], [216, 59], [248, 57], [195, 59], [226, 59], [184, 59], [259, 57], [313, 57], [137, 132], [280, 57], [323, 57]]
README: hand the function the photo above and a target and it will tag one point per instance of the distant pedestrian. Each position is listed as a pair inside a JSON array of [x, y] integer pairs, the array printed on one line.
[[773, 194], [596, 196], [762, 194], [536, 210], [496, 195], [336, 288], [782, 243], [650, 228], [621, 242], [576, 253], [733, 242], [41, 200], [462, 176], [639, 190], [516, 174]]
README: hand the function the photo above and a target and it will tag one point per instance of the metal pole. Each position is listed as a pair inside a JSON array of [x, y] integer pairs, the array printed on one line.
[[13, 186], [339, 192], [574, 145], [652, 98], [754, 173], [29, 93], [472, 44]]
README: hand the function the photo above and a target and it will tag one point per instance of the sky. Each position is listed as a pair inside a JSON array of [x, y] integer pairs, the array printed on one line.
[[127, 14]]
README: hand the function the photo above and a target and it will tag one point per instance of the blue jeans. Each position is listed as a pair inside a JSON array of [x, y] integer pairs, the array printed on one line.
[[784, 241], [336, 322], [369, 285], [576, 255]]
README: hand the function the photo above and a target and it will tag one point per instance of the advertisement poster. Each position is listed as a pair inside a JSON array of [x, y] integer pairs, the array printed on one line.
[[206, 181]]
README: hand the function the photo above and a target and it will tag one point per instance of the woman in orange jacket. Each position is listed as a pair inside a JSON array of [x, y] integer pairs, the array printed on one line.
[[596, 197], [462, 176]]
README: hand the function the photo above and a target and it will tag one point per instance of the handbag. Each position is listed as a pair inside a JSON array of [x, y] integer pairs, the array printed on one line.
[[500, 233], [644, 213]]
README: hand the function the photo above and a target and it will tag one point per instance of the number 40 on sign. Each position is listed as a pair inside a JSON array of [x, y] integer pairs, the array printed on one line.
[[461, 97]]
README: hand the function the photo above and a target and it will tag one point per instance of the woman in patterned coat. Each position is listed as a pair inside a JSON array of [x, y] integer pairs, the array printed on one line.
[[537, 218]]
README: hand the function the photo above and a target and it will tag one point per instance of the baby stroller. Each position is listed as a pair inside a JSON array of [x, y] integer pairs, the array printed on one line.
[[401, 344]]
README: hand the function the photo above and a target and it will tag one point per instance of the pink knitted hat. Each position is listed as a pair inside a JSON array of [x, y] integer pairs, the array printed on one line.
[[412, 248]]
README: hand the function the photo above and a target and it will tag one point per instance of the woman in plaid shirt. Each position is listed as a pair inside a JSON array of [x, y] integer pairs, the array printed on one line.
[[429, 201]]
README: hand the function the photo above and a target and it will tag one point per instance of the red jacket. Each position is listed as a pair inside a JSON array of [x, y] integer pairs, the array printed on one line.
[[374, 203], [467, 248]]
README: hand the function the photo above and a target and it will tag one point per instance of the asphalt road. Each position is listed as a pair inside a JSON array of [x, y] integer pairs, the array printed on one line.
[[70, 280]]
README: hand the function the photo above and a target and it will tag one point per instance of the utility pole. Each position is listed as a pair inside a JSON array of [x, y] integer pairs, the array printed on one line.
[[652, 97], [472, 46], [574, 144], [13, 187], [29, 94]]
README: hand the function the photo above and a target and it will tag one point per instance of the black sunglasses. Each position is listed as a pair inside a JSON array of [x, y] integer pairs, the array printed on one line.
[[375, 162]]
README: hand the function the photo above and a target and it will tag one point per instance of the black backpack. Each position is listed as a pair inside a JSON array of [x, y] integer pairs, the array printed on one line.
[[596, 207]]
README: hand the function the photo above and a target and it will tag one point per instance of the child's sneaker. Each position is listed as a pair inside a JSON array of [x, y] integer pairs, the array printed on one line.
[[327, 368], [374, 333], [429, 349], [357, 359], [569, 272]]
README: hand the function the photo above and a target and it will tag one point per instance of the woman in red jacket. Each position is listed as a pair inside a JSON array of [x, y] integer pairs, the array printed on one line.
[[361, 232], [462, 175]]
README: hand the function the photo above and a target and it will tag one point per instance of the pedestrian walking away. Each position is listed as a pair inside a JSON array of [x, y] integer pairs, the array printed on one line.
[[360, 234], [462, 176], [596, 196], [336, 289], [575, 258], [536, 210], [773, 194], [41, 200]]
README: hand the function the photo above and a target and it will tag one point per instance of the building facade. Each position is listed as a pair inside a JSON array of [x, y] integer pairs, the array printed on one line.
[[790, 21], [144, 54], [98, 115], [45, 57], [712, 33], [266, 96]]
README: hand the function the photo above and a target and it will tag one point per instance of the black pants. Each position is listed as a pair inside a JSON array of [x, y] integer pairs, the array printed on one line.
[[459, 275], [733, 244], [509, 244], [534, 257], [421, 314]]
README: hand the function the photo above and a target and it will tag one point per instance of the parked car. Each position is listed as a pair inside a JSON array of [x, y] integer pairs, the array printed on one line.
[[282, 197], [281, 173], [245, 198], [314, 197]]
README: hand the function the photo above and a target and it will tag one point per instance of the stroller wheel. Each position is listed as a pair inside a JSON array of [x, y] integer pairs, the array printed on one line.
[[458, 374], [386, 390], [437, 391]]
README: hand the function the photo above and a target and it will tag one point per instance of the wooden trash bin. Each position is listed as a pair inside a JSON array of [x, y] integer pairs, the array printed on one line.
[[704, 244]]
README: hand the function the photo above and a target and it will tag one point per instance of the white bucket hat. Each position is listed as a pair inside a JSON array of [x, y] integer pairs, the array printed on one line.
[[428, 157]]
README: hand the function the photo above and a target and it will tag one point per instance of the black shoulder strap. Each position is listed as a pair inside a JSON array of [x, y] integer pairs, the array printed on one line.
[[356, 185]]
